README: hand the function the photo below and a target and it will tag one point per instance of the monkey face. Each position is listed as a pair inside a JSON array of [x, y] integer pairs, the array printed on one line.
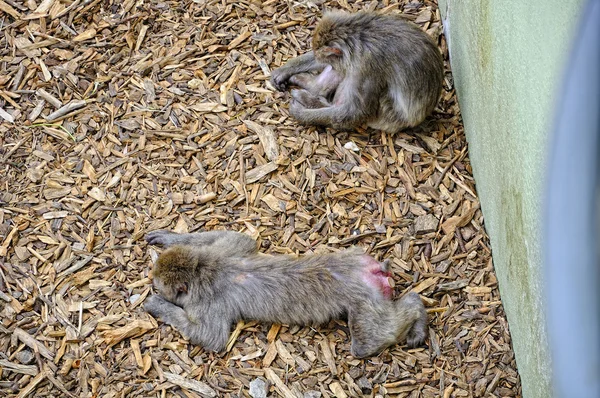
[[173, 292], [172, 273]]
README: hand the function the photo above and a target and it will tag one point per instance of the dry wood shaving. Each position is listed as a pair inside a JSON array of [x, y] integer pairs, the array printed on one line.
[[118, 118]]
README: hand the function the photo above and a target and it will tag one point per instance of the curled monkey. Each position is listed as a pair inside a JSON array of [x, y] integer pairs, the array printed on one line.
[[320, 87], [378, 70], [207, 281]]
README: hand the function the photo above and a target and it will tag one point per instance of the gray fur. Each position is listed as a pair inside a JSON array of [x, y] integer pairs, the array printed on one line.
[[209, 280], [318, 90], [390, 73]]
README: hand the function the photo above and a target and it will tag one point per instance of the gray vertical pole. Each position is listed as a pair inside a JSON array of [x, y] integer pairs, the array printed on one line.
[[572, 221]]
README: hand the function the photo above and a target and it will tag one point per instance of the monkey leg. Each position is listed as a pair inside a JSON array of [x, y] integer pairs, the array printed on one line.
[[377, 325], [412, 305], [339, 116], [211, 333], [231, 242], [322, 85], [354, 102], [303, 80], [309, 100], [309, 82]]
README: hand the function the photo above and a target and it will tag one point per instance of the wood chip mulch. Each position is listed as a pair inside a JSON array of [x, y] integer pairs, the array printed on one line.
[[121, 117]]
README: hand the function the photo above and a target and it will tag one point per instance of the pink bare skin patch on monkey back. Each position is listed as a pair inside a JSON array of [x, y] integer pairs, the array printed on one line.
[[240, 278], [376, 276]]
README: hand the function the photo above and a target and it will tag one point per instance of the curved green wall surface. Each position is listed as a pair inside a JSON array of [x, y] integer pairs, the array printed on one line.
[[507, 61]]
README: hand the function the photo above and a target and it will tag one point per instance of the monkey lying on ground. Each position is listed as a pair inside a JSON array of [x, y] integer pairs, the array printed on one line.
[[378, 70], [207, 281]]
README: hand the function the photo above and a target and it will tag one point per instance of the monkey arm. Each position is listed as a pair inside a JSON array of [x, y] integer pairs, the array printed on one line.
[[209, 331], [305, 109], [230, 242], [306, 81], [168, 312], [208, 326], [303, 63]]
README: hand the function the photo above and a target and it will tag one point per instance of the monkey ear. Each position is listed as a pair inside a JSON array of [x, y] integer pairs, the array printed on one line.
[[182, 287], [331, 52]]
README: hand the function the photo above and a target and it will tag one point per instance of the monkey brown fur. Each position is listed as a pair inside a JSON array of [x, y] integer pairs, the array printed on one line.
[[386, 71], [207, 281]]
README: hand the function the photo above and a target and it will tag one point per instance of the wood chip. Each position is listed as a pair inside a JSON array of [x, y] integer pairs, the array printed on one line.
[[52, 100], [9, 10], [328, 356], [279, 384], [337, 390], [205, 107], [117, 119], [426, 223], [66, 109], [29, 388], [32, 343], [259, 172], [18, 368], [6, 116], [85, 35], [194, 385], [267, 139], [133, 329]]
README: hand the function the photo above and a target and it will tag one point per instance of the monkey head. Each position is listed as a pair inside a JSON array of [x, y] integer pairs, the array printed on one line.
[[329, 38], [172, 273]]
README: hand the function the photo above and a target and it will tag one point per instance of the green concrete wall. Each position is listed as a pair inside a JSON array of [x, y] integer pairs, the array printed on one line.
[[507, 61]]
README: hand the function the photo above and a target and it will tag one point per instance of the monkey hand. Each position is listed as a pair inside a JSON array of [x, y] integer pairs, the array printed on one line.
[[158, 307], [161, 237], [280, 78]]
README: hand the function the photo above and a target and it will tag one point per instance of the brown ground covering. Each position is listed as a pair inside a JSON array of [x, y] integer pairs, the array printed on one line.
[[170, 122]]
